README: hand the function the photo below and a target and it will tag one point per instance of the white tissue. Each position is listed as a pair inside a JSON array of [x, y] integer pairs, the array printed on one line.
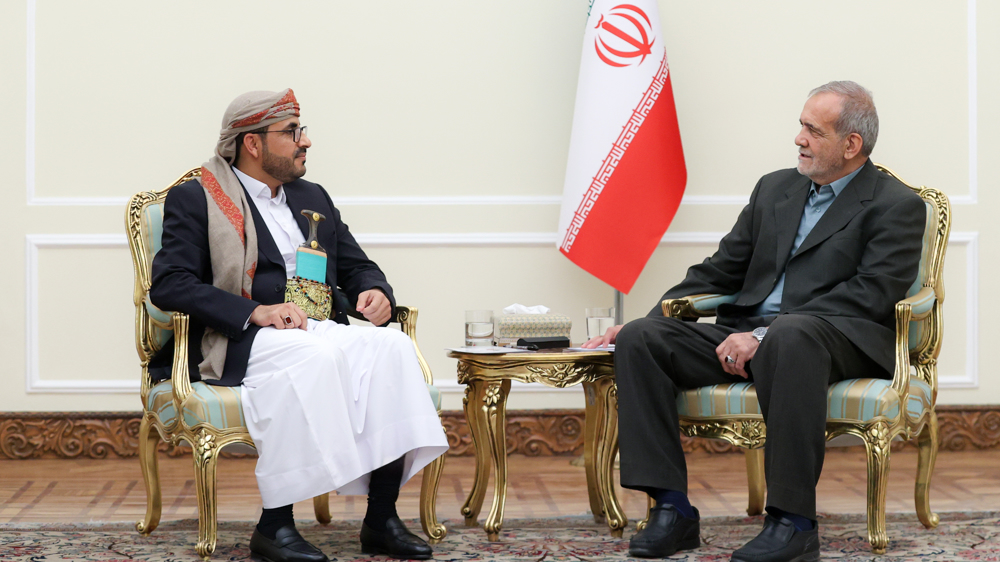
[[521, 309]]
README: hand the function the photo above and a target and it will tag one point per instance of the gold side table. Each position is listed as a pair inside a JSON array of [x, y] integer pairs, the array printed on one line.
[[487, 379]]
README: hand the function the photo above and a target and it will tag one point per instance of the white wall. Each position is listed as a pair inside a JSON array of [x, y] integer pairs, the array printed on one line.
[[441, 129]]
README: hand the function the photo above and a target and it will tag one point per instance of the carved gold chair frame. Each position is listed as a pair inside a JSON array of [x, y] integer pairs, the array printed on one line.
[[913, 358], [208, 441]]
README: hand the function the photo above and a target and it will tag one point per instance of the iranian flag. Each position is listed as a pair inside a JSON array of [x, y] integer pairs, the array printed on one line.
[[625, 176]]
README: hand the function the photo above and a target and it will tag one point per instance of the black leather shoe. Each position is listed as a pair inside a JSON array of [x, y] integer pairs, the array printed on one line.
[[287, 546], [780, 541], [396, 541], [666, 532]]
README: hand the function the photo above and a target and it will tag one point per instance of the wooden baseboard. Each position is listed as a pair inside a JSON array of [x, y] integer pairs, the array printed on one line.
[[99, 435]]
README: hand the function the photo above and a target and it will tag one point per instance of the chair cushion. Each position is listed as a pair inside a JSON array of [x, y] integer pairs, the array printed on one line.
[[435, 396], [729, 399], [219, 406], [923, 270], [862, 400], [152, 228], [930, 232], [853, 400], [161, 401], [158, 336], [919, 400]]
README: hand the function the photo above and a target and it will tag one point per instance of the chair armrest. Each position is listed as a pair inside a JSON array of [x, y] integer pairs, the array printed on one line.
[[917, 307], [695, 306], [179, 376], [406, 316], [921, 304]]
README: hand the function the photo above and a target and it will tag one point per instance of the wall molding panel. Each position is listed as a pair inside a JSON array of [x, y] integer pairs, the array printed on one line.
[[33, 242], [969, 379], [33, 381]]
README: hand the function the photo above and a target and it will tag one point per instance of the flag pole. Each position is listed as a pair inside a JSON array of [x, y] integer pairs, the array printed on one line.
[[619, 307]]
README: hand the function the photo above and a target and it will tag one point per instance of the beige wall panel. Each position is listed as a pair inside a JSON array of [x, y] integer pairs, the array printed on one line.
[[741, 71], [953, 364], [85, 334], [457, 98], [983, 217], [12, 97], [481, 107]]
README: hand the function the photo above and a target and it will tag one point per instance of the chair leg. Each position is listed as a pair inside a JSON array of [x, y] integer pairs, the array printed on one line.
[[149, 438], [927, 445], [756, 485], [877, 446], [321, 505], [206, 458], [428, 501]]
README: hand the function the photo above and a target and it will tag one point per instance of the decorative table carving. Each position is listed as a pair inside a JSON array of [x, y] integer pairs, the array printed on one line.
[[488, 379]]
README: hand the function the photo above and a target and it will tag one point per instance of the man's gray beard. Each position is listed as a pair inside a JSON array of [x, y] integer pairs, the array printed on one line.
[[279, 168]]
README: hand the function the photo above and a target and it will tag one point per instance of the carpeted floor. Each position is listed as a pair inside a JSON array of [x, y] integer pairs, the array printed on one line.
[[960, 536]]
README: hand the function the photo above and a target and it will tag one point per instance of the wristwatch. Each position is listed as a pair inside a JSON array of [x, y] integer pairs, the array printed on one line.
[[759, 333]]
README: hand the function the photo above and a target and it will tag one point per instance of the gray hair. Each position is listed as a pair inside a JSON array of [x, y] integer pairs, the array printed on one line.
[[857, 112]]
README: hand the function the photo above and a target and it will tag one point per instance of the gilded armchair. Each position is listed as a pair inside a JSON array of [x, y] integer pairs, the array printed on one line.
[[874, 410], [209, 418]]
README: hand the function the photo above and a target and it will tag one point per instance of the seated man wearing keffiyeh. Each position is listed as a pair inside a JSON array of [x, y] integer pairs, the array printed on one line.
[[330, 406]]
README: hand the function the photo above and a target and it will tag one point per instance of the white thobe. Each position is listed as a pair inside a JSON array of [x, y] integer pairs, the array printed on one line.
[[327, 405]]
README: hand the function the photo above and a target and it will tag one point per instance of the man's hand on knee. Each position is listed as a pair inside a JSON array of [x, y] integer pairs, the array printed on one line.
[[736, 351], [608, 338], [375, 306], [281, 316]]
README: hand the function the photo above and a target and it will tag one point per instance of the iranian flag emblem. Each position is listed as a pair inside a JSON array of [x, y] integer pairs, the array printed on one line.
[[625, 175]]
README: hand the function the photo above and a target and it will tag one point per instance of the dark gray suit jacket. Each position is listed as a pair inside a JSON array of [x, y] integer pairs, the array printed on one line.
[[853, 267]]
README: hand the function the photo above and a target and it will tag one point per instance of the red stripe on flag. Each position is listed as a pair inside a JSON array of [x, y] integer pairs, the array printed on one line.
[[637, 203]]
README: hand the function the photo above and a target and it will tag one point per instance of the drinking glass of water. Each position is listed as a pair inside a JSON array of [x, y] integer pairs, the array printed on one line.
[[599, 320], [478, 327]]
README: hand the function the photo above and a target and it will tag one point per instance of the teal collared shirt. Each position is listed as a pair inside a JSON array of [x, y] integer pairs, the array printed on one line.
[[820, 199]]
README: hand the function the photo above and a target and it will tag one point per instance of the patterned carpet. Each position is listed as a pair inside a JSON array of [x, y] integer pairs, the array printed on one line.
[[960, 536]]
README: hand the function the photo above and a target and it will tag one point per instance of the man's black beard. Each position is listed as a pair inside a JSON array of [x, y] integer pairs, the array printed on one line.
[[281, 169]]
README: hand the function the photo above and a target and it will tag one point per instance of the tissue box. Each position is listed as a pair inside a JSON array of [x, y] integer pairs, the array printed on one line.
[[511, 327]]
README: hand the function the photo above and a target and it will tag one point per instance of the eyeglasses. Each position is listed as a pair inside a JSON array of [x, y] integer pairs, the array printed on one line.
[[296, 133]]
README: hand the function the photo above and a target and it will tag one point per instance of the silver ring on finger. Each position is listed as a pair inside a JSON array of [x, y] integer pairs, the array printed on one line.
[[288, 320], [729, 359]]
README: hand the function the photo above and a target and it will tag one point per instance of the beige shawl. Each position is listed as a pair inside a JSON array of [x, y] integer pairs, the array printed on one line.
[[232, 238]]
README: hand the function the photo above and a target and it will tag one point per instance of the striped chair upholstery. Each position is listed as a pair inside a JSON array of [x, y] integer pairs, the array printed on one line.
[[151, 223], [218, 406], [920, 400], [859, 400], [916, 328]]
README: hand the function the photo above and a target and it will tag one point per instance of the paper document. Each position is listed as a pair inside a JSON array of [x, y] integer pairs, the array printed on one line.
[[610, 348], [486, 350]]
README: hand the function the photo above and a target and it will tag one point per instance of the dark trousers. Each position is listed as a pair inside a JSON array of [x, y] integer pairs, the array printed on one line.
[[657, 358]]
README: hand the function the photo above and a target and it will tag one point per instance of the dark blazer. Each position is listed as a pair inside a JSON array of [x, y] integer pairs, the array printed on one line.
[[182, 273], [852, 268]]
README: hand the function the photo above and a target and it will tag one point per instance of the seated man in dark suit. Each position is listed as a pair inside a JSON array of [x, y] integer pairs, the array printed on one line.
[[819, 257], [330, 406]]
